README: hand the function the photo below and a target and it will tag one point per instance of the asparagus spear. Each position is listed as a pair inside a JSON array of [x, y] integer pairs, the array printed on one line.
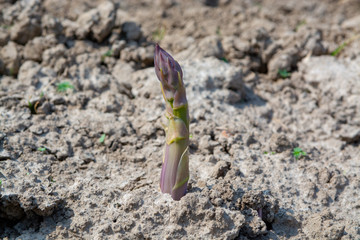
[[175, 169]]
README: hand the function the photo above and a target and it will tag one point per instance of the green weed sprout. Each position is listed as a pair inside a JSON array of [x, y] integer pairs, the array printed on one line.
[[298, 153], [343, 45], [108, 53], [175, 168], [266, 152], [225, 59], [338, 49], [284, 73], [42, 149], [64, 86], [102, 138], [31, 106]]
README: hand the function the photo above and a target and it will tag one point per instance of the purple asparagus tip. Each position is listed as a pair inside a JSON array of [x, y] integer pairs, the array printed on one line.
[[170, 75]]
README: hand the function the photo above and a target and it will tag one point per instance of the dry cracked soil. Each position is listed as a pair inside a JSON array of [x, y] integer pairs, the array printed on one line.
[[274, 96]]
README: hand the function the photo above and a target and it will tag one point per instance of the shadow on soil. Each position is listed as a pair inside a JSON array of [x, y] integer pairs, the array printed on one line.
[[14, 221], [285, 224]]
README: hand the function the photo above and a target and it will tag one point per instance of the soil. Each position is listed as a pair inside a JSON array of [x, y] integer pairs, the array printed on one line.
[[81, 123]]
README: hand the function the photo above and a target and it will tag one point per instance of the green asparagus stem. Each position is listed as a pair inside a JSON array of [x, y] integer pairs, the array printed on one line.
[[175, 169]]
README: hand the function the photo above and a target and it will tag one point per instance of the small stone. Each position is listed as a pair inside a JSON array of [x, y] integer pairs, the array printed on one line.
[[4, 37], [54, 57], [315, 46], [350, 134], [209, 46], [137, 158], [324, 176], [38, 129], [279, 143], [84, 23], [220, 169], [62, 154], [103, 28], [34, 48], [87, 157], [283, 60], [352, 23], [51, 25], [45, 108], [250, 139], [4, 155], [132, 31], [234, 80], [117, 46], [11, 58], [25, 30], [211, 159], [211, 3]]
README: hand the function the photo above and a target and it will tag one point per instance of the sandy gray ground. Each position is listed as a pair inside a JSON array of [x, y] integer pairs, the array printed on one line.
[[85, 163]]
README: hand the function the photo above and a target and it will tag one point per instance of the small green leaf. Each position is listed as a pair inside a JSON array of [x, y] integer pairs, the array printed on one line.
[[272, 153], [284, 73], [108, 53], [265, 152], [64, 86], [225, 60], [190, 136], [298, 152], [41, 149], [102, 138]]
